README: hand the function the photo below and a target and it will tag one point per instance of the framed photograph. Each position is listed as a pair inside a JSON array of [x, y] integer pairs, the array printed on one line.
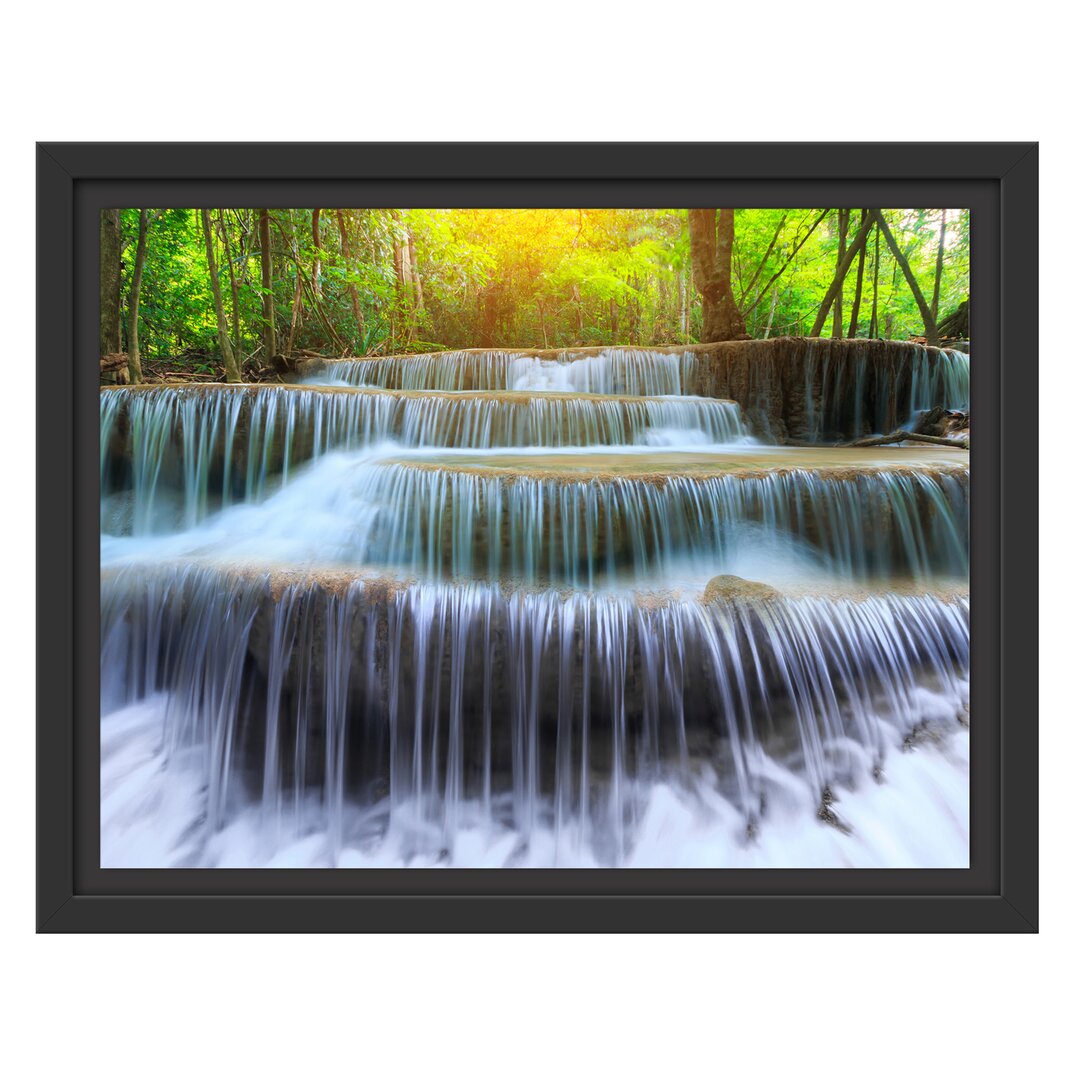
[[530, 542]]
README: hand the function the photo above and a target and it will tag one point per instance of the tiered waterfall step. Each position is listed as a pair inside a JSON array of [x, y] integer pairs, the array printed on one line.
[[807, 389], [596, 518], [300, 421], [598, 371], [338, 682], [211, 444]]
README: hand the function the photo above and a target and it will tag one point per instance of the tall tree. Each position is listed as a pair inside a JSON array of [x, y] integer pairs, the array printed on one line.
[[232, 370], [294, 254], [400, 253], [346, 258], [937, 270], [269, 334], [873, 331], [838, 277], [109, 282], [929, 325], [134, 361], [712, 234], [414, 270], [843, 216], [233, 286], [316, 266], [796, 248], [856, 303], [745, 292], [772, 311]]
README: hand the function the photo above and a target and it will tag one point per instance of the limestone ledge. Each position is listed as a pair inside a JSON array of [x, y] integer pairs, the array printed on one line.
[[378, 587]]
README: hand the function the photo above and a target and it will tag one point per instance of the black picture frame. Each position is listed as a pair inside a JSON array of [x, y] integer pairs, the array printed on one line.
[[998, 181]]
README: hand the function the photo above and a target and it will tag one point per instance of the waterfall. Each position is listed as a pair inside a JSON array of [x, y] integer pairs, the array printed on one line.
[[187, 451], [506, 608], [567, 704], [637, 372], [946, 382], [811, 389], [855, 393], [454, 521]]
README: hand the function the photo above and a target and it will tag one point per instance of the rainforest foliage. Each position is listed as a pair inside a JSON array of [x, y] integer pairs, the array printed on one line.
[[243, 285]]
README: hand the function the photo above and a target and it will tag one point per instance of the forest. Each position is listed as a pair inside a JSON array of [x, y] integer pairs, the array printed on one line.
[[235, 294]]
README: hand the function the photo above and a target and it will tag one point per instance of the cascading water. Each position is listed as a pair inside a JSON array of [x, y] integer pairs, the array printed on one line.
[[186, 451], [815, 390], [467, 619], [506, 709], [947, 382], [450, 520], [851, 394], [611, 371]]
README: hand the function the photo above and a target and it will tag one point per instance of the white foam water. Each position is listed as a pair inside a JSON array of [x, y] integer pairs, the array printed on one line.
[[153, 811]]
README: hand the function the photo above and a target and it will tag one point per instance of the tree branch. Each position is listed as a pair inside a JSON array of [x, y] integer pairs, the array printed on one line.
[[909, 436], [764, 259], [768, 285], [838, 277], [924, 308]]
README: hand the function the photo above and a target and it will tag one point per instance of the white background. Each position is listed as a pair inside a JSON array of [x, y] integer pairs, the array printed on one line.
[[662, 1006]]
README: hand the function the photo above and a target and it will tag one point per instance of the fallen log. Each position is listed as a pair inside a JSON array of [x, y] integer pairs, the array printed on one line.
[[908, 436]]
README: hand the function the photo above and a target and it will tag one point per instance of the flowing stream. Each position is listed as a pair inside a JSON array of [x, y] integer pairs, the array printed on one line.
[[486, 609]]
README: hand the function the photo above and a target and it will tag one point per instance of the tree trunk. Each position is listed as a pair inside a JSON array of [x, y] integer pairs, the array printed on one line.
[[838, 277], [929, 325], [401, 257], [937, 270], [232, 282], [772, 311], [301, 283], [684, 306], [354, 295], [134, 362], [232, 372], [853, 328], [873, 332], [399, 267], [316, 269], [109, 282], [295, 318], [269, 334], [489, 316], [712, 234], [909, 436], [838, 306], [417, 288]]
